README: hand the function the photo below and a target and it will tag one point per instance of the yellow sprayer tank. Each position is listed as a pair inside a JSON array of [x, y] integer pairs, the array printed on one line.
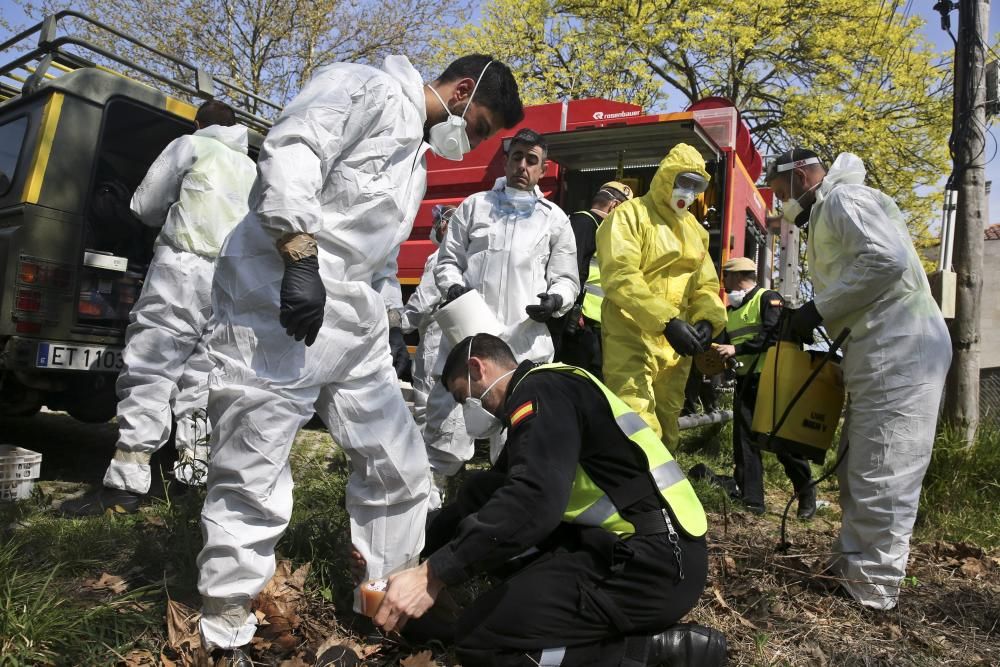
[[809, 428]]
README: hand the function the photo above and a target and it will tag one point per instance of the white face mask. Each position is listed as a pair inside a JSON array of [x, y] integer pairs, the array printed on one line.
[[736, 297], [791, 208], [681, 199], [448, 138], [480, 422]]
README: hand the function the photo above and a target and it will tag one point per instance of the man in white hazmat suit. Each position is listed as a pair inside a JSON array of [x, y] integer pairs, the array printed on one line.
[[518, 251], [301, 295], [197, 191], [418, 315], [867, 277]]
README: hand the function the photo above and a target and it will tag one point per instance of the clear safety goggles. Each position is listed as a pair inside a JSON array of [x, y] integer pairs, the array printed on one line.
[[691, 181]]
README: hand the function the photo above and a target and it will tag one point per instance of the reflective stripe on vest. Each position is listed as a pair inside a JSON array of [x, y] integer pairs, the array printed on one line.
[[744, 324], [589, 505], [593, 293]]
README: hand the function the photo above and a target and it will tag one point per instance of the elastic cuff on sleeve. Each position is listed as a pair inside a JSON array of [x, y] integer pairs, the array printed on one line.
[[446, 567]]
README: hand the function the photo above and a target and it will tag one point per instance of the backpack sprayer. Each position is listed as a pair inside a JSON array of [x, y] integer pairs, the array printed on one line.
[[808, 392]]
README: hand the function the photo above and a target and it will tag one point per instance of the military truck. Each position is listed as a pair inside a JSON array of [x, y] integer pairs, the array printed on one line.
[[80, 124]]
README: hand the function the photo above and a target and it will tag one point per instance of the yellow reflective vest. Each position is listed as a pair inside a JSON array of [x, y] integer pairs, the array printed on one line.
[[589, 505], [593, 293], [744, 324]]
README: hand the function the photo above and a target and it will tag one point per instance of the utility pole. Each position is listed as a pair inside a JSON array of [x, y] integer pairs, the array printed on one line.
[[968, 145]]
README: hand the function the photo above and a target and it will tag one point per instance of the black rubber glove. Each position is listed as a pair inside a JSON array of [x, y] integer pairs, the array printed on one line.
[[547, 306], [682, 337], [804, 320], [303, 298], [454, 292], [704, 330], [400, 355], [574, 320]]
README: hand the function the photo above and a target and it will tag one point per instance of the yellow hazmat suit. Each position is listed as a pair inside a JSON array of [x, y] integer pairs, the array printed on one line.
[[655, 266]]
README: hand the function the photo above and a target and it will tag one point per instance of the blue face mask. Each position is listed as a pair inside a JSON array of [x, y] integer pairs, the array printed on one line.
[[522, 201]]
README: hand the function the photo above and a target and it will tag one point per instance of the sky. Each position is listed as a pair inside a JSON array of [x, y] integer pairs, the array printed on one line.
[[921, 8]]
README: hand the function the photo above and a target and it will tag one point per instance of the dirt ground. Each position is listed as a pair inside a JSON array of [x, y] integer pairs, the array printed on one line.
[[772, 603]]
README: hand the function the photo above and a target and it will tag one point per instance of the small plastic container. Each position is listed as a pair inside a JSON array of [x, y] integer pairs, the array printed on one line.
[[372, 593], [17, 463], [19, 489]]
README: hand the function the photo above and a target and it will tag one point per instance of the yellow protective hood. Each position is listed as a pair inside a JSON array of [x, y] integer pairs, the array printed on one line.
[[681, 158]]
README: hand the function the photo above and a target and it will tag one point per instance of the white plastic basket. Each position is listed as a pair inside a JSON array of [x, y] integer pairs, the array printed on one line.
[[15, 489], [19, 464]]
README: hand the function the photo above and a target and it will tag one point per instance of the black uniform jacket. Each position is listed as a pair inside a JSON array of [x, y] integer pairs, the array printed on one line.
[[555, 421]]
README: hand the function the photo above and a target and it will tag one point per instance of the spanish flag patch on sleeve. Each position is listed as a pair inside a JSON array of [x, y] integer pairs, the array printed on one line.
[[521, 413]]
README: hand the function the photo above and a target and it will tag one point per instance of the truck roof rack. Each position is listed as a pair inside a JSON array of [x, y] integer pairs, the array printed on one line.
[[57, 54]]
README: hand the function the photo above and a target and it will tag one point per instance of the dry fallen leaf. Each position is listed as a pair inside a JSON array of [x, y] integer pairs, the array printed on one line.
[[973, 568], [182, 628], [296, 661], [276, 607], [106, 582], [422, 659], [140, 658]]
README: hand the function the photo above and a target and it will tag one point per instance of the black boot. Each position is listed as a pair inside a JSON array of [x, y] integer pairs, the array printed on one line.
[[807, 504], [687, 645], [232, 657], [99, 501]]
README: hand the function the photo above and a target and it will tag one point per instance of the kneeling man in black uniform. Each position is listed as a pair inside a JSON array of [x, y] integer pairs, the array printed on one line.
[[597, 534]]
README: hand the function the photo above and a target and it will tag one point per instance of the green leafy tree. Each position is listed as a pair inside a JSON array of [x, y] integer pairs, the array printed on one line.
[[834, 75], [269, 47], [552, 53]]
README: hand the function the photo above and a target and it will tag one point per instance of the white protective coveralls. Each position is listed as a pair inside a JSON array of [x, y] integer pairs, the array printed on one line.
[[345, 163], [868, 277], [510, 252], [448, 443], [197, 190]]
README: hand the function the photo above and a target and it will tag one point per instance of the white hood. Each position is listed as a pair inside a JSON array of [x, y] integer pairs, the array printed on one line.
[[847, 169], [233, 136], [399, 68]]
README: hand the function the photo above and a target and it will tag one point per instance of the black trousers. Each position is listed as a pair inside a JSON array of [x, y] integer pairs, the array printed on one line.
[[583, 349], [586, 598], [749, 472]]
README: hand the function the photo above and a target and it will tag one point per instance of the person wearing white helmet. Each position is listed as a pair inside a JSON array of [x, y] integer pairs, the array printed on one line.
[[867, 278]]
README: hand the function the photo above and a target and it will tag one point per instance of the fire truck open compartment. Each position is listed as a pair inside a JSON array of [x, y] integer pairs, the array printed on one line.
[[589, 158]]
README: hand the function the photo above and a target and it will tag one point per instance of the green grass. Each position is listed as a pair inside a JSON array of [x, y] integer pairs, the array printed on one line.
[[961, 490], [47, 618]]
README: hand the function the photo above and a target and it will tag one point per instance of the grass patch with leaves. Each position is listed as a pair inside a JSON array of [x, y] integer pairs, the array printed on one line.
[[961, 490]]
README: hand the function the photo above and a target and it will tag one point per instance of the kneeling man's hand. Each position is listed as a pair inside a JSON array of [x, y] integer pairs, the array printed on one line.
[[410, 594]]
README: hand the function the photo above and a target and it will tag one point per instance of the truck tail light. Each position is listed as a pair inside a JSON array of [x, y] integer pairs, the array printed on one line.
[[28, 327], [27, 272], [27, 301], [43, 273]]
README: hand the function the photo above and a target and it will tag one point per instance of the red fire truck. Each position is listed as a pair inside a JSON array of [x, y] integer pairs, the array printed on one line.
[[594, 141]]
